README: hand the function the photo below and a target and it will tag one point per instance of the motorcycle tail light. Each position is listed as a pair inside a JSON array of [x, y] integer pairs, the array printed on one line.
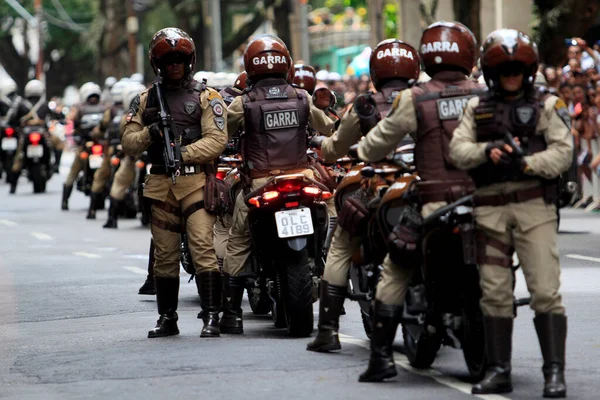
[[289, 186], [255, 201], [84, 155], [35, 138], [140, 164], [456, 230], [311, 190], [115, 161], [97, 149], [268, 196], [292, 204], [326, 195], [221, 175], [9, 131]]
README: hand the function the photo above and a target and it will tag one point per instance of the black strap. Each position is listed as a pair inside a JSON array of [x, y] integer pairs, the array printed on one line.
[[193, 208], [167, 226], [171, 209]]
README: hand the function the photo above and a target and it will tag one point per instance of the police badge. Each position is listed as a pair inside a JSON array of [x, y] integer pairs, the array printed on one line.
[[189, 107], [524, 114]]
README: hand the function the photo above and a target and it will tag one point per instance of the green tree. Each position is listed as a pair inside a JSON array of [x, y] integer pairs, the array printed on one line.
[[68, 55]]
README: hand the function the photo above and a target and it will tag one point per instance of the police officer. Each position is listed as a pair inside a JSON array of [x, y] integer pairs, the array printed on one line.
[[125, 175], [431, 110], [108, 130], [267, 62], [393, 64], [39, 114], [200, 115], [88, 116], [515, 202]]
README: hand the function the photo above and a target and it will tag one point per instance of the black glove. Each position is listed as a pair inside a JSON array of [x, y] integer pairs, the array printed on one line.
[[150, 116], [155, 133], [505, 159], [353, 152], [316, 141]]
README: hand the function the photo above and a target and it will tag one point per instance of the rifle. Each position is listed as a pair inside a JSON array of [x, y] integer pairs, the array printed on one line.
[[171, 137]]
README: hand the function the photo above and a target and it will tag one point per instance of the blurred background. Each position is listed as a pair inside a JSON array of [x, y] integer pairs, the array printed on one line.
[[68, 42]]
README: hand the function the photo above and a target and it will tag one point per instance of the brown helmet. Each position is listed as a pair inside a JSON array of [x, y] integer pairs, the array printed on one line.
[[172, 40], [305, 77], [393, 59], [504, 47], [447, 46], [240, 81], [267, 55]]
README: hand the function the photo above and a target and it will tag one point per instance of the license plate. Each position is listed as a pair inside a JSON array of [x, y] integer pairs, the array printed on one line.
[[9, 144], [35, 151], [292, 223], [95, 161]]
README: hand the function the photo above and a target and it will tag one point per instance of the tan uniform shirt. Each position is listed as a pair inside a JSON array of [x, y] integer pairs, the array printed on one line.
[[467, 153], [347, 134], [385, 136], [317, 119], [136, 139]]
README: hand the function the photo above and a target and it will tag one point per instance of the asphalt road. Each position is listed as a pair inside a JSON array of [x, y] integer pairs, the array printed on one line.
[[72, 325]]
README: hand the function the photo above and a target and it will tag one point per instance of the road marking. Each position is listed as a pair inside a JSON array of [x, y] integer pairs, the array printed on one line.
[[41, 236], [7, 222], [402, 361], [138, 256], [136, 270], [584, 258], [88, 255]]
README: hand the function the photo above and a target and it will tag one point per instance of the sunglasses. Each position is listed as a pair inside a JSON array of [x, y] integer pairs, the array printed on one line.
[[173, 58]]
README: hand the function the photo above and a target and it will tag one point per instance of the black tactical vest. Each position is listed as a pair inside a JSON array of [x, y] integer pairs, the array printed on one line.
[[186, 111], [113, 134], [276, 120], [493, 119], [90, 116]]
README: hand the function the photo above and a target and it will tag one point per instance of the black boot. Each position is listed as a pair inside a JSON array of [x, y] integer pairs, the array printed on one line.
[[148, 287], [93, 205], [232, 314], [167, 294], [57, 157], [113, 214], [498, 347], [210, 301], [330, 307], [552, 333], [65, 197], [385, 322], [13, 178]]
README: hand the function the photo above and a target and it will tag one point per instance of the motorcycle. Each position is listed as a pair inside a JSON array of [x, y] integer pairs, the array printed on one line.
[[92, 156], [8, 145], [389, 184], [38, 160], [288, 224]]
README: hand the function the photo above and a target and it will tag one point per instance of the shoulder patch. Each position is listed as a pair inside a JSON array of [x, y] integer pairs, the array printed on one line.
[[217, 107], [563, 112], [220, 122], [213, 95]]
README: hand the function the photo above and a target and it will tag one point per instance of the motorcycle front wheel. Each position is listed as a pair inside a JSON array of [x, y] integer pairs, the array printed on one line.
[[421, 348]]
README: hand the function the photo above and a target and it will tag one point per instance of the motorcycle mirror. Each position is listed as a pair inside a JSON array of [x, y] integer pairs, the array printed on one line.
[[367, 172], [324, 98]]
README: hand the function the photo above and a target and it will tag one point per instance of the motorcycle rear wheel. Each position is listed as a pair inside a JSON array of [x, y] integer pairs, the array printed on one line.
[[260, 304], [38, 177], [298, 297]]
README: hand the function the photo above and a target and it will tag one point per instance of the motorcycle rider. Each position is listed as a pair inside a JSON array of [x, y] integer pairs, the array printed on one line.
[[393, 65], [200, 115], [125, 175], [38, 114], [448, 51], [87, 117], [267, 62], [109, 131], [515, 202]]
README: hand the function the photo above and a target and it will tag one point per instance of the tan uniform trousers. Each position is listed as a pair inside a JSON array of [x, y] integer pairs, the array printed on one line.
[[339, 257], [239, 242], [221, 234], [76, 168], [124, 178], [166, 232], [102, 174], [57, 143], [537, 249], [392, 287]]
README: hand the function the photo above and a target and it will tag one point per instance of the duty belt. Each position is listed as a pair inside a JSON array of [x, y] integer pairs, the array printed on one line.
[[185, 169], [520, 196], [446, 191]]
